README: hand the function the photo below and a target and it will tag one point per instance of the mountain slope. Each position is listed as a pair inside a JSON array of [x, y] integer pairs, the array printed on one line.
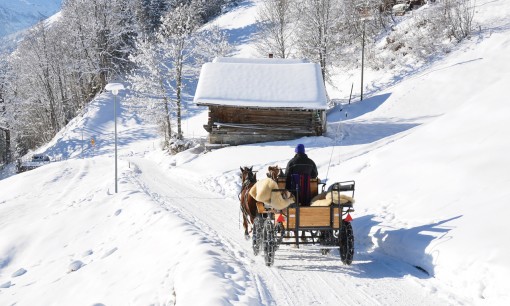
[[16, 15]]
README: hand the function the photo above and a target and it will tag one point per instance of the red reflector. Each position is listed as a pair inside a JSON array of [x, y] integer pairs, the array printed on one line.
[[280, 218], [348, 218]]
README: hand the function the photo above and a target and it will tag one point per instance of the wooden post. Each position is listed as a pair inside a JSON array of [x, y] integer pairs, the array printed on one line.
[[350, 96]]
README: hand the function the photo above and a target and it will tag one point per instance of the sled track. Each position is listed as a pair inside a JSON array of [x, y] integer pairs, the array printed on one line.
[[299, 276], [232, 248]]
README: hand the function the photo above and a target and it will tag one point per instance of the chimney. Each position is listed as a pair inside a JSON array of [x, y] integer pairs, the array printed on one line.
[[270, 55]]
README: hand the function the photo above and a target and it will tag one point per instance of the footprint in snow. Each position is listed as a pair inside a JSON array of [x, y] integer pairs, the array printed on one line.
[[6, 285], [118, 212], [75, 266], [110, 252], [88, 253], [19, 272]]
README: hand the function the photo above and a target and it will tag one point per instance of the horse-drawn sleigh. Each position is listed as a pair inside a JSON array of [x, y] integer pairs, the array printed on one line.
[[326, 222]]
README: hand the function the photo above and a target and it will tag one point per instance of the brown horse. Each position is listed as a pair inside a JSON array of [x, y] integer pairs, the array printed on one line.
[[274, 172], [248, 203]]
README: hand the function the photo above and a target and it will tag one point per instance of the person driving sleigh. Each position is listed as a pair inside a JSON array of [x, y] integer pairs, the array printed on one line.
[[300, 169]]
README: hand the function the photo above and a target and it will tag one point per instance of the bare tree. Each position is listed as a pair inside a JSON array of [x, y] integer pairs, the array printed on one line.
[[177, 35], [209, 43], [175, 54], [458, 17], [318, 24], [150, 84], [277, 28], [61, 66]]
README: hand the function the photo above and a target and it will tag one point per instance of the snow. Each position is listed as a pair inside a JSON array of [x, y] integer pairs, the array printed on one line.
[[114, 87], [16, 15], [259, 60], [259, 83], [429, 155]]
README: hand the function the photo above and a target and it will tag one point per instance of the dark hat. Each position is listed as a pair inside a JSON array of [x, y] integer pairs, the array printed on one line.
[[300, 148]]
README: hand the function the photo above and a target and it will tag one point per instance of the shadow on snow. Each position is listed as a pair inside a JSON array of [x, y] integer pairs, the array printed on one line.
[[375, 263], [341, 112]]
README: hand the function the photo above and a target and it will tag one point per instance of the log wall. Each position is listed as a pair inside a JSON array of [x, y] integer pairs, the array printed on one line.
[[236, 125]]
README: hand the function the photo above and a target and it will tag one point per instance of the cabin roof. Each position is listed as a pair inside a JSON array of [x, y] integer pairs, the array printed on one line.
[[268, 83]]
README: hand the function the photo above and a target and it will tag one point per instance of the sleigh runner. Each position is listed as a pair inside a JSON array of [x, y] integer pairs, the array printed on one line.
[[327, 226]]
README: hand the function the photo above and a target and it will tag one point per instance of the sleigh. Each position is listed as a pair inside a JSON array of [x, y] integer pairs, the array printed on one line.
[[326, 226]]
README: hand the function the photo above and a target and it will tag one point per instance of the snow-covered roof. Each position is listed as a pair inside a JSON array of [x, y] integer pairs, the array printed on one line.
[[259, 60], [261, 83]]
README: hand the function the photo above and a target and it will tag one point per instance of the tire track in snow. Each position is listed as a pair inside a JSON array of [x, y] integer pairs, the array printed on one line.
[[300, 276], [229, 247], [273, 286]]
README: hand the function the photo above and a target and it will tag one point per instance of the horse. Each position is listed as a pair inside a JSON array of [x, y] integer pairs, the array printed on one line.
[[274, 172], [247, 202]]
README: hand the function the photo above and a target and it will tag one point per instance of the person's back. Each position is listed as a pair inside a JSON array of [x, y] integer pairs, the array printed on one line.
[[300, 169]]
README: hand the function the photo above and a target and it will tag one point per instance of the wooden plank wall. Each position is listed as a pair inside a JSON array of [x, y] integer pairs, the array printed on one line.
[[235, 125]]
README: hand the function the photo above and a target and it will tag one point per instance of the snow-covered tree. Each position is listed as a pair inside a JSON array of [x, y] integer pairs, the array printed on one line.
[[209, 43], [174, 54], [60, 66], [3, 88], [104, 30], [431, 31], [39, 87], [318, 22], [277, 28], [3, 114], [177, 39], [150, 85], [457, 17]]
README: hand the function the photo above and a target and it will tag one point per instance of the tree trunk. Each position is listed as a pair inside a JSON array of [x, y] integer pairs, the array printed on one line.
[[168, 127], [178, 94]]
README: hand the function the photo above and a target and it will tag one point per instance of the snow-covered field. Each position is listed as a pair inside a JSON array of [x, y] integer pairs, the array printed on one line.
[[429, 156]]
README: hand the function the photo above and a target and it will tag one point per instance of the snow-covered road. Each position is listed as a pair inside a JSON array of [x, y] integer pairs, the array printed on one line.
[[299, 276]]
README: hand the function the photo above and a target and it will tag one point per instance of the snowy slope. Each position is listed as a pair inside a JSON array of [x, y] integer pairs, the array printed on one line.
[[429, 156], [16, 15]]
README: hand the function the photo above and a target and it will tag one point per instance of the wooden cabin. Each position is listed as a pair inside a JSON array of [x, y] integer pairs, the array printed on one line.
[[261, 100]]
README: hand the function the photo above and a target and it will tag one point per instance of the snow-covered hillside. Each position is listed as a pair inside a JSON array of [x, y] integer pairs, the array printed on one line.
[[428, 153], [16, 15]]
